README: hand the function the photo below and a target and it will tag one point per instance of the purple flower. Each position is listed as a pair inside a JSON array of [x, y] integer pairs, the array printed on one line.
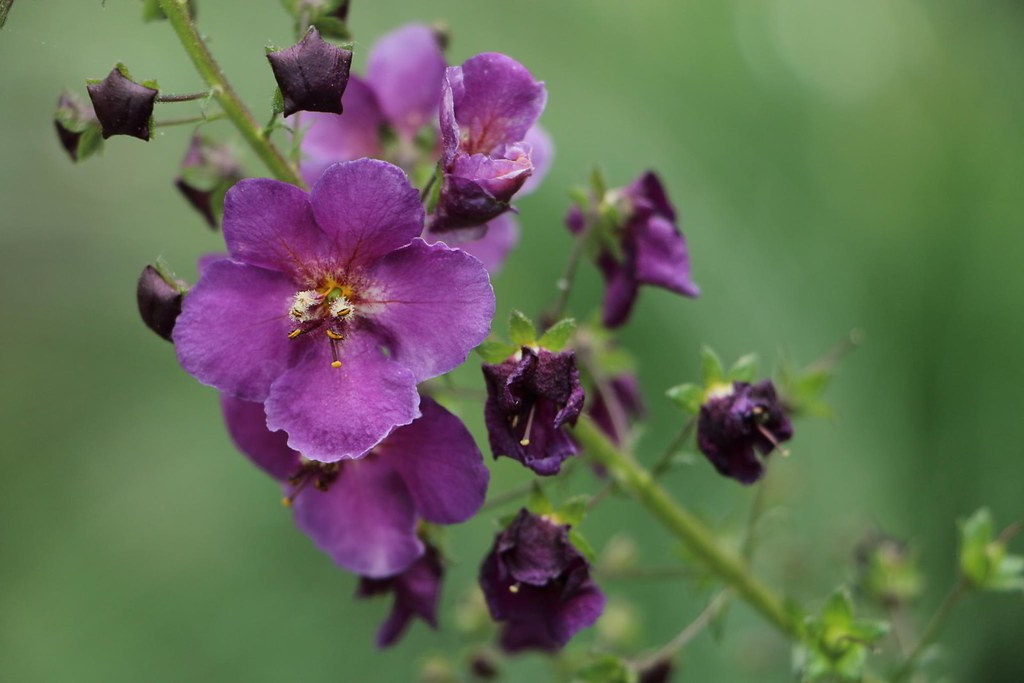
[[735, 421], [401, 94], [488, 106], [617, 403], [122, 106], [530, 397], [539, 585], [363, 513], [207, 172], [417, 592], [500, 237], [312, 74], [651, 249], [330, 309]]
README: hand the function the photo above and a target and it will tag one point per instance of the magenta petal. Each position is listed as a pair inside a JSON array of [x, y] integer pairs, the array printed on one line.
[[440, 464], [331, 137], [233, 329], [365, 520], [368, 209], [432, 305], [496, 101], [500, 176], [619, 294], [405, 69], [333, 414], [270, 224], [247, 425], [542, 155], [662, 258]]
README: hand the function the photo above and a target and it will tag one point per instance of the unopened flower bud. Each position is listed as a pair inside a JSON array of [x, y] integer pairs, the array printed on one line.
[[887, 571], [159, 300], [312, 74], [77, 126], [207, 172], [123, 106]]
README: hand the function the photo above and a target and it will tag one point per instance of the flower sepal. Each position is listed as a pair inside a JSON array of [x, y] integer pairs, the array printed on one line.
[[311, 75], [835, 644], [123, 106], [78, 128], [984, 560]]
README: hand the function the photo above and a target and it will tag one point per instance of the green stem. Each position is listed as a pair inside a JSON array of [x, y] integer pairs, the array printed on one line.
[[564, 284], [177, 15], [939, 620], [639, 483], [664, 461], [164, 123]]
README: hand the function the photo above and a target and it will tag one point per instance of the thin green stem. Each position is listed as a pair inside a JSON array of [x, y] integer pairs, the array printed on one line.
[[507, 497], [191, 97], [234, 108], [639, 483], [663, 462], [564, 283], [425, 192], [645, 574], [691, 630], [931, 631], [164, 123]]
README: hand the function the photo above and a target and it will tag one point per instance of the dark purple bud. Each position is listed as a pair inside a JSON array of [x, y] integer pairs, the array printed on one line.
[[159, 299], [417, 592], [530, 398], [736, 422], [207, 172], [538, 585], [77, 126], [640, 245], [657, 672], [123, 106], [312, 74]]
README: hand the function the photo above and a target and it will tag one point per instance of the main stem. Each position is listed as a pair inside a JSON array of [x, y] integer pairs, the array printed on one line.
[[933, 628], [206, 65], [639, 483]]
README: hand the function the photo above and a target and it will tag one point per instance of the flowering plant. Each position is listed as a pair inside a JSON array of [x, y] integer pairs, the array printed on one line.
[[357, 277]]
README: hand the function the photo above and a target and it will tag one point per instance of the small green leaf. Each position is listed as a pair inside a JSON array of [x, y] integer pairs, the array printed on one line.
[[838, 609], [605, 668], [598, 184], [151, 11], [90, 143], [579, 197], [521, 331], [573, 510], [975, 536], [538, 502], [744, 369], [687, 396], [277, 100], [711, 371], [581, 544], [494, 351], [558, 335], [332, 27]]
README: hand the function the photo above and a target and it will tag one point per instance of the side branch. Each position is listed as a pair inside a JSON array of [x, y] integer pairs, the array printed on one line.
[[639, 483], [230, 102]]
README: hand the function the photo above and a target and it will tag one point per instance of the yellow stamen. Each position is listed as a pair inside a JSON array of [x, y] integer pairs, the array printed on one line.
[[334, 335], [514, 588], [336, 364], [294, 333], [286, 501]]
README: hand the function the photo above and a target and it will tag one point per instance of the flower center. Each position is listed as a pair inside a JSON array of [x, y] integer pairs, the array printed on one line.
[[327, 307]]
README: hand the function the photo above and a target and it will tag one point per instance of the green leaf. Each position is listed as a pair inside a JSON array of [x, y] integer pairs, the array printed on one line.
[[579, 197], [744, 369], [687, 396], [277, 99], [573, 510], [494, 351], [605, 668], [598, 184], [838, 609], [538, 502], [90, 143], [975, 557], [850, 666], [711, 371], [521, 331], [558, 335], [581, 544], [332, 27], [151, 11]]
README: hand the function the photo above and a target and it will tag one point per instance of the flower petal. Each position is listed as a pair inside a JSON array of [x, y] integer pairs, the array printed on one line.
[[333, 414], [493, 248], [496, 100], [330, 138], [432, 304], [368, 209], [233, 329], [542, 155], [365, 520], [405, 69], [247, 425], [440, 464], [662, 258], [270, 224], [619, 292]]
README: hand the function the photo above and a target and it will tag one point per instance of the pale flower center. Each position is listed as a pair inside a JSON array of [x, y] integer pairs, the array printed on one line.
[[328, 307]]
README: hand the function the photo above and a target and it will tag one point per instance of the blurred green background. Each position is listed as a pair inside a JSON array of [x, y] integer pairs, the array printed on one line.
[[838, 164]]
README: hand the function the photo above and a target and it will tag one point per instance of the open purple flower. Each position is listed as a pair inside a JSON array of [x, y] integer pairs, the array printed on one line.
[[652, 250], [539, 585], [363, 513], [330, 309], [417, 592], [736, 422], [530, 398], [488, 106]]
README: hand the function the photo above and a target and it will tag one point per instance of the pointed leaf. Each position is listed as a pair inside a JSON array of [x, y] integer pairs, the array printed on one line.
[[687, 396], [521, 331], [744, 369], [538, 502], [573, 510], [711, 371], [494, 351], [558, 335]]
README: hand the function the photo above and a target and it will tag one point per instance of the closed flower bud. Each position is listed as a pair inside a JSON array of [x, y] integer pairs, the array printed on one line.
[[159, 299], [207, 172], [123, 106], [77, 127], [312, 74]]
